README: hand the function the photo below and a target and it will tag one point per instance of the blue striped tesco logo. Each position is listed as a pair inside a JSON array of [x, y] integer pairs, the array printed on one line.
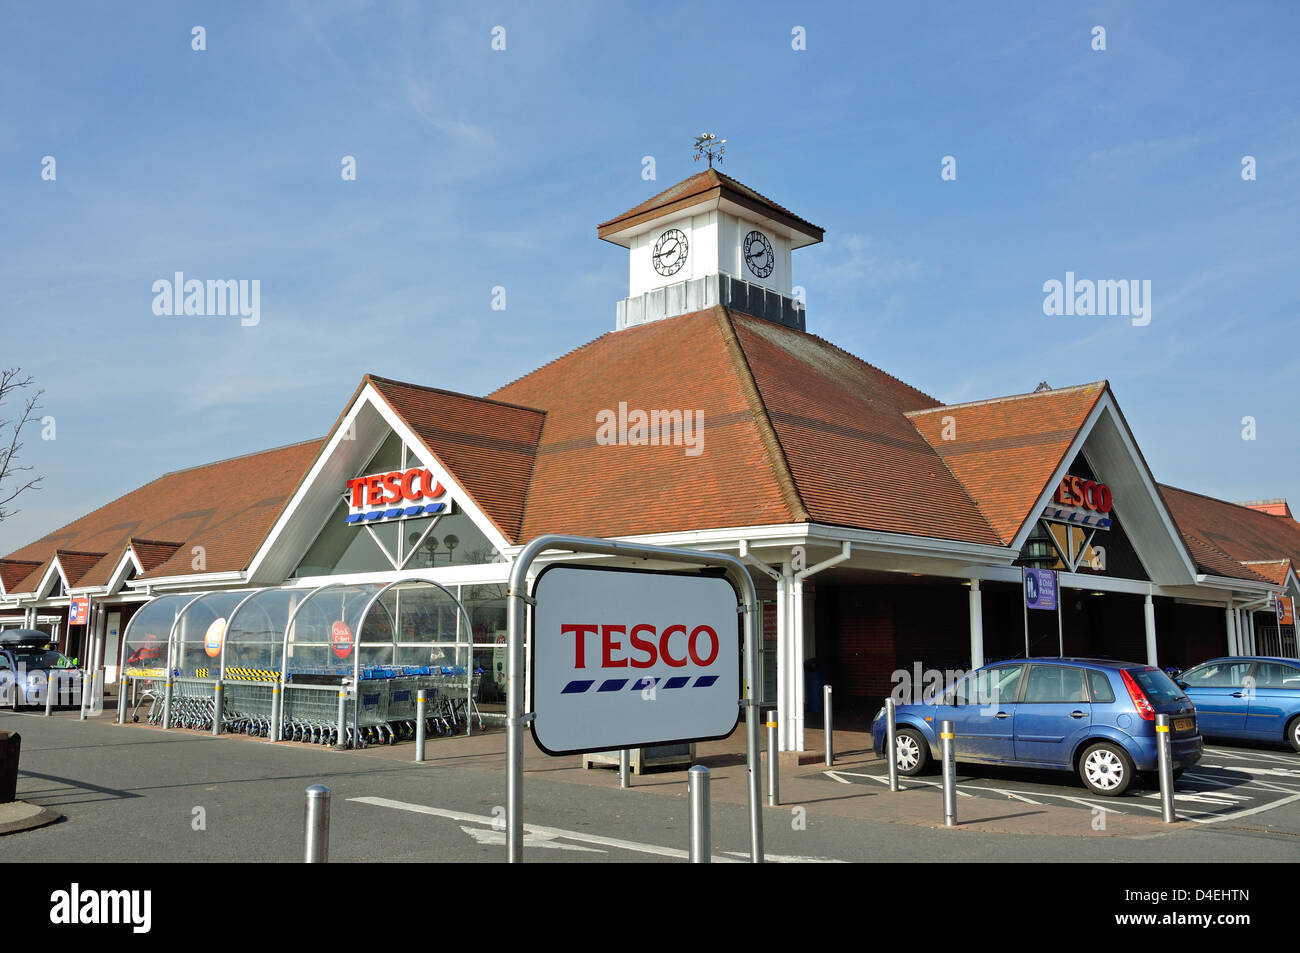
[[652, 658]]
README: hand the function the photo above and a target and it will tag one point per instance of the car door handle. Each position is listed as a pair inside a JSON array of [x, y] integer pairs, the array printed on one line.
[[1002, 714], [1076, 714], [1236, 694]]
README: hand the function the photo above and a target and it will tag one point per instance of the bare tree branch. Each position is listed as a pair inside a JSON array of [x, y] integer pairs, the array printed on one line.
[[12, 380]]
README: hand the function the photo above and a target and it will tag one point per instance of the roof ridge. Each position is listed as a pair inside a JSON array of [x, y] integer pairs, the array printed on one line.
[[555, 360], [1008, 397], [1262, 562], [1215, 499], [213, 463], [79, 552], [767, 436], [153, 542], [453, 393]]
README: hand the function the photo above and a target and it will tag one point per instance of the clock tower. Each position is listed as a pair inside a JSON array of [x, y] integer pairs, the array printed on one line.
[[709, 240]]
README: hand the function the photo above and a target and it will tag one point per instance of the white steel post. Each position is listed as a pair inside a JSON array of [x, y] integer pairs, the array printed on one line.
[[800, 700], [976, 625], [1232, 631], [1149, 614]]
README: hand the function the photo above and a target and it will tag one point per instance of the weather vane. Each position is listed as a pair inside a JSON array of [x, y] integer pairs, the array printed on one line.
[[706, 143]]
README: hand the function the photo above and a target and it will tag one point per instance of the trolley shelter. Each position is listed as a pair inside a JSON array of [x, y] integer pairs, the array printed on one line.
[[341, 664]]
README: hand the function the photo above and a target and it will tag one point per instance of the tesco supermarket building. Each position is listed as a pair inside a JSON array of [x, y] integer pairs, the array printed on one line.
[[885, 529]]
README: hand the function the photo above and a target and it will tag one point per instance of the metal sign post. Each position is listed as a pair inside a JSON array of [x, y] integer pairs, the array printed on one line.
[[517, 612]]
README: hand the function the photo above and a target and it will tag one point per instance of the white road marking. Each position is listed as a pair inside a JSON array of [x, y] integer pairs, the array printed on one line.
[[1018, 797], [786, 858], [613, 842], [1252, 770], [498, 838], [1218, 818], [1260, 755], [885, 780]]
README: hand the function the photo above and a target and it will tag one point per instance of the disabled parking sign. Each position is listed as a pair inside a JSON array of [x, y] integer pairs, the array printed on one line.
[[628, 658]]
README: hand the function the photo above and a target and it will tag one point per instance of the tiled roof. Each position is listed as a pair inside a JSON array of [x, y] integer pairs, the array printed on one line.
[[685, 364], [489, 446], [1005, 451], [14, 571], [225, 507], [152, 553], [1274, 570], [75, 565], [699, 188], [855, 458], [1240, 533], [794, 430]]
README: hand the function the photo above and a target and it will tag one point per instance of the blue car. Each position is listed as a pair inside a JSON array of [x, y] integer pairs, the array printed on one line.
[[1252, 698], [1093, 716]]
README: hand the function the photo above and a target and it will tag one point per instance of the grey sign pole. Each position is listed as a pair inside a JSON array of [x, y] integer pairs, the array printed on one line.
[[623, 767], [518, 600], [218, 707], [891, 753], [949, 776], [1166, 762]]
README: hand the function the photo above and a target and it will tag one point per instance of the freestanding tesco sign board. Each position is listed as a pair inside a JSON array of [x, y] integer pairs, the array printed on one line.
[[624, 658]]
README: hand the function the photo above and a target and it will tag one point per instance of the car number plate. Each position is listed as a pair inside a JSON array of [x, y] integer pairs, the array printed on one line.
[[1183, 724]]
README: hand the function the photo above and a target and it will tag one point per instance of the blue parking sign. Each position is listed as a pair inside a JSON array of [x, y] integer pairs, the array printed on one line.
[[1040, 589]]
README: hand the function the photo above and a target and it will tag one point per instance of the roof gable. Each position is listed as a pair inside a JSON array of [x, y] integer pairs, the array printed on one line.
[[1005, 451]]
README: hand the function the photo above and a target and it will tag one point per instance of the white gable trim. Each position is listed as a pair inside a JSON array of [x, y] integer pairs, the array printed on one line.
[[311, 486], [1106, 407]]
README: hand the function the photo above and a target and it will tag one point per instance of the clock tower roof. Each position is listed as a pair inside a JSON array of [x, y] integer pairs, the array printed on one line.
[[708, 189]]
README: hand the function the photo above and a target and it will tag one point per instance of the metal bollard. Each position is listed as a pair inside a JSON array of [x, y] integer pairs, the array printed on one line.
[[343, 714], [121, 697], [218, 706], [773, 795], [826, 714], [317, 847], [697, 783], [87, 697], [624, 766], [276, 711], [420, 702], [1163, 745], [167, 703], [949, 776], [51, 686], [891, 750]]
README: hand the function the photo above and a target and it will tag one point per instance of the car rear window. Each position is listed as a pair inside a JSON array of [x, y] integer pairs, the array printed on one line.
[[1157, 685], [1099, 687]]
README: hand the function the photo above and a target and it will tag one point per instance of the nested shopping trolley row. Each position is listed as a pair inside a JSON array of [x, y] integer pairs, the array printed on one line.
[[342, 665]]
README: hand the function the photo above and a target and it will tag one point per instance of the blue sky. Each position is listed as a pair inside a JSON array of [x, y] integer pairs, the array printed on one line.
[[478, 168]]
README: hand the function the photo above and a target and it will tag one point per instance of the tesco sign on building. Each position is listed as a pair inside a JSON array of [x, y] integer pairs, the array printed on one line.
[[399, 494], [627, 658]]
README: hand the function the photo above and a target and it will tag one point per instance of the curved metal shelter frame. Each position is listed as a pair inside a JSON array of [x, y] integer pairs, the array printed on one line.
[[146, 617], [395, 626], [220, 604]]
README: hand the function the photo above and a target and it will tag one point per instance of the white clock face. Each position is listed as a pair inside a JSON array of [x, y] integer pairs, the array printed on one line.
[[670, 252], [758, 253]]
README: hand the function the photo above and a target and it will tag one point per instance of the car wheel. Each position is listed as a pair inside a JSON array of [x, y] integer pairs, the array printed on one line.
[[1106, 769], [1293, 733], [912, 751]]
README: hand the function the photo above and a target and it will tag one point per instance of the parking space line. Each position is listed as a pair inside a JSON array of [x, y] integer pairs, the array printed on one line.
[[1294, 761]]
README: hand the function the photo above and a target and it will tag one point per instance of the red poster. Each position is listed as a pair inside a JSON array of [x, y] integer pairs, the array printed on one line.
[[341, 636]]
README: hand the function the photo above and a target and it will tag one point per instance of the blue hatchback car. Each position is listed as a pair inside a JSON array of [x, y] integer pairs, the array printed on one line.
[[1254, 698], [1093, 716]]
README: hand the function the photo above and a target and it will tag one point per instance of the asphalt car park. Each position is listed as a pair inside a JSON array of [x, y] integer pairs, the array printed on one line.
[[1256, 788]]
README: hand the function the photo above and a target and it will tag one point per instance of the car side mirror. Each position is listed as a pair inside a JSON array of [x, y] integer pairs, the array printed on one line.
[[1183, 685]]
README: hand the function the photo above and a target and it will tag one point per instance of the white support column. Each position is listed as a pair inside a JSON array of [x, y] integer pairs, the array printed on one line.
[[800, 705], [1232, 632], [1149, 614], [783, 717], [976, 625]]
